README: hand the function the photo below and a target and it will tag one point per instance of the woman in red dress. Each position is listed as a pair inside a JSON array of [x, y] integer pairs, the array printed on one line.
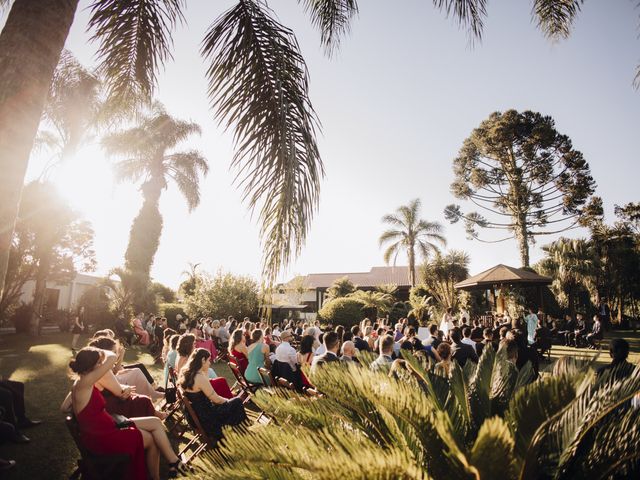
[[238, 349], [98, 430]]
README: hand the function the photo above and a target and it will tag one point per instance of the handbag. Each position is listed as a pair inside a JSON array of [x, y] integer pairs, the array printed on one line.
[[122, 422]]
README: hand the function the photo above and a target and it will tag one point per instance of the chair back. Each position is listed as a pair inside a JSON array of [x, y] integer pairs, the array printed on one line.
[[238, 375], [284, 383], [267, 378]]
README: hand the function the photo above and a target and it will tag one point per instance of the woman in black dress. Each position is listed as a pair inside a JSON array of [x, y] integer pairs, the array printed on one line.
[[213, 410], [77, 328]]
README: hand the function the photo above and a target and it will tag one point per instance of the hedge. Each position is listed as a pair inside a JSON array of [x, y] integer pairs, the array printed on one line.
[[342, 311]]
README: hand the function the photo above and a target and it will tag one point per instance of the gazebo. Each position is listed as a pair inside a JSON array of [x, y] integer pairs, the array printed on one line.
[[500, 276]]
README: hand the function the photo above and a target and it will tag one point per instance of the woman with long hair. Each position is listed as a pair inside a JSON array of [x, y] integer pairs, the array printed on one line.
[[186, 346], [238, 349], [305, 356], [77, 329], [172, 358], [141, 438], [213, 410], [258, 357]]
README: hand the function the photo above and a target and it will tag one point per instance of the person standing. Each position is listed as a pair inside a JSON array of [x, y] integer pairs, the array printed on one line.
[[532, 323], [604, 312], [447, 321], [77, 329]]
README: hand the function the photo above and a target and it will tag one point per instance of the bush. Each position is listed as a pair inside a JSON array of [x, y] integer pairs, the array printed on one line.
[[399, 310], [342, 311], [59, 317], [170, 310], [96, 309], [21, 318], [222, 295]]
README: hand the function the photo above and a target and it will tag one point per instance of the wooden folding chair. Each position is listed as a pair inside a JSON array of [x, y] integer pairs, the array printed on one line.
[[241, 382], [93, 466], [267, 378], [201, 439], [284, 383]]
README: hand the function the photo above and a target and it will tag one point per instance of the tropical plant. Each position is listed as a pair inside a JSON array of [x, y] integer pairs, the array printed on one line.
[[440, 274], [120, 292], [345, 311], [74, 111], [571, 264], [147, 155], [388, 289], [373, 302], [188, 286], [482, 422], [517, 167], [341, 287], [163, 293], [410, 234], [223, 294], [422, 306]]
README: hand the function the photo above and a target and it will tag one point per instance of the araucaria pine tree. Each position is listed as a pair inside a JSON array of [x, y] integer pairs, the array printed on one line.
[[528, 177]]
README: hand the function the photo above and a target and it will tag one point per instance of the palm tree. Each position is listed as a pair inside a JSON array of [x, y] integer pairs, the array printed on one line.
[[442, 273], [188, 287], [341, 287], [482, 422], [258, 86], [147, 156], [571, 264], [374, 303], [410, 233]]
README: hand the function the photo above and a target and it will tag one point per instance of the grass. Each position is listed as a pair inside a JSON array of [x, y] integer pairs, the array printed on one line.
[[41, 363]]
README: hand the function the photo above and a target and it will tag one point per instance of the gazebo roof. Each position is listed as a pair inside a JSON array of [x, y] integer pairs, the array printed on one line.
[[503, 275]]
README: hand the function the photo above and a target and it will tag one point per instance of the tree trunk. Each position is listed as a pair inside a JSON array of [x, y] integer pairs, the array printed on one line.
[[572, 303], [523, 242], [144, 240], [37, 310], [412, 266], [30, 46]]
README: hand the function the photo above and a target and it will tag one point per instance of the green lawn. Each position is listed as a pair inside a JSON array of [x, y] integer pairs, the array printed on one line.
[[41, 363]]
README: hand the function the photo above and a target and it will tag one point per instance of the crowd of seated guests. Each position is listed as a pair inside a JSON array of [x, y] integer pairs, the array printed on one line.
[[13, 417]]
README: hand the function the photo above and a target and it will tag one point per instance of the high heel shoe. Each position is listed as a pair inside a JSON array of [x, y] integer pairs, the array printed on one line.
[[177, 467]]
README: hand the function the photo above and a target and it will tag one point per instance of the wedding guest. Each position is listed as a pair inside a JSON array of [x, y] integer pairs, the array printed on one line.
[[212, 410]]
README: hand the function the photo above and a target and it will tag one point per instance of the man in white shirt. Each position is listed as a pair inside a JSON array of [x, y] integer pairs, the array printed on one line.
[[285, 353]]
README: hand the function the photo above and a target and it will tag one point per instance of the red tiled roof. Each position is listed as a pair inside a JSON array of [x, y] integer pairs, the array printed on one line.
[[377, 276]]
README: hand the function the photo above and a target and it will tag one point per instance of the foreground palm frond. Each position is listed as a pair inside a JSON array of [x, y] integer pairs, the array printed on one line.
[[555, 17], [469, 13], [258, 84], [332, 18], [134, 42], [418, 424]]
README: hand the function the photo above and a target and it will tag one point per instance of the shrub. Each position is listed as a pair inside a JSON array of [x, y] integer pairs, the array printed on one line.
[[21, 318], [223, 294], [170, 311], [60, 317], [96, 308], [399, 310], [342, 311]]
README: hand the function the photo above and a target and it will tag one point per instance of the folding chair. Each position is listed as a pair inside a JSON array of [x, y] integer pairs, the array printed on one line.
[[241, 382], [267, 378], [201, 439], [93, 466]]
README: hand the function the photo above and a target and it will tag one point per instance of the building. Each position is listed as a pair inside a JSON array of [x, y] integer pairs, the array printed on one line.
[[311, 289], [61, 297]]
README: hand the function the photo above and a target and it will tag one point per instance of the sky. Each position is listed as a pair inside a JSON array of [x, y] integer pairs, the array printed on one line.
[[396, 102]]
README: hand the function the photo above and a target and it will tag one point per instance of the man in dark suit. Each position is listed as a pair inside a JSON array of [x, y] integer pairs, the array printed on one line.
[[619, 368], [332, 344], [461, 352], [432, 340], [596, 332], [360, 343]]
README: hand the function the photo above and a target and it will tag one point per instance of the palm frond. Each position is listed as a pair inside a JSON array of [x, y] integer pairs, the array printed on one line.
[[392, 251], [493, 450], [389, 235], [258, 84], [332, 18], [468, 13], [134, 42], [394, 220], [555, 17]]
